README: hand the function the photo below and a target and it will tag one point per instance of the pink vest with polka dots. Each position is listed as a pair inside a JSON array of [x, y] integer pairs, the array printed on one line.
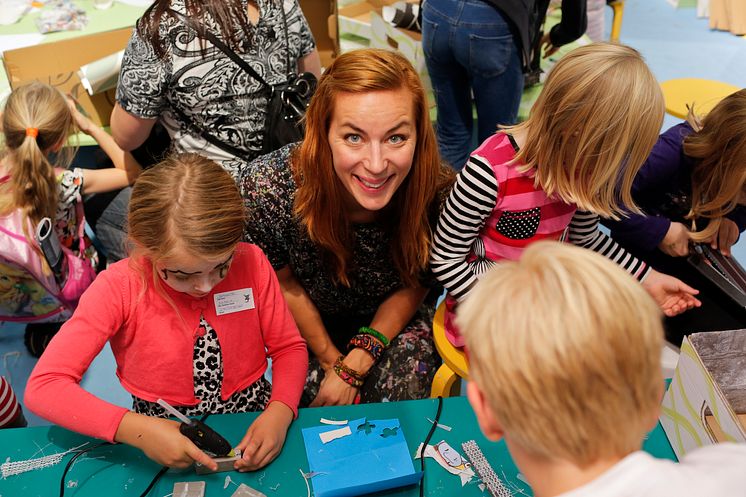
[[523, 213]]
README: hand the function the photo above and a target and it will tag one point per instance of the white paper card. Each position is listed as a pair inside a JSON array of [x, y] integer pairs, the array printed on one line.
[[234, 301], [328, 436]]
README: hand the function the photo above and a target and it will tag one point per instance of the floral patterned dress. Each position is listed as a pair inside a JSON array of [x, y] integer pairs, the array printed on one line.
[[407, 367], [69, 191]]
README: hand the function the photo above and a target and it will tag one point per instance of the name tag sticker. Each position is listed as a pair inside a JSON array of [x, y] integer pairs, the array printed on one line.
[[234, 301]]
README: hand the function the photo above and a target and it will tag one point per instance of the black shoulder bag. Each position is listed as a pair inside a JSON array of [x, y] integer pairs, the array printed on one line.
[[286, 104]]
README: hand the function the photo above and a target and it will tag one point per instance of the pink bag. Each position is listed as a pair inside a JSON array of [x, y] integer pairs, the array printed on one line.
[[28, 289]]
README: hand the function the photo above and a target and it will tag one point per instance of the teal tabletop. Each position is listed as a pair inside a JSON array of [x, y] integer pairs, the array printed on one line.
[[117, 470]]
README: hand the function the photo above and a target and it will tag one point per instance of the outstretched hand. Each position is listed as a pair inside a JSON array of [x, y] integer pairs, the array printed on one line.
[[672, 295]]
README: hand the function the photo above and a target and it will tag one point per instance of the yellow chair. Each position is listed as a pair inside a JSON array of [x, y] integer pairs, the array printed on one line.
[[703, 93], [454, 366], [616, 22]]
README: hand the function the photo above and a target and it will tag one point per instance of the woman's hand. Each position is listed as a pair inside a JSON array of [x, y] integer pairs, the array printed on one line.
[[726, 236], [333, 391], [265, 437], [676, 241], [547, 46], [671, 294], [161, 441]]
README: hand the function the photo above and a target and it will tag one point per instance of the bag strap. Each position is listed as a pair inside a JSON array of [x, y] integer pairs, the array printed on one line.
[[190, 23], [287, 38], [207, 136]]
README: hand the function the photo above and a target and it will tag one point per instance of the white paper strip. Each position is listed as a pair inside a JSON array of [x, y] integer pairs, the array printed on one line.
[[333, 422], [328, 436]]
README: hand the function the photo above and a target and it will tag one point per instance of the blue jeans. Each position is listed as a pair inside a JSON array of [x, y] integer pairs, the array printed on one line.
[[469, 49], [111, 227]]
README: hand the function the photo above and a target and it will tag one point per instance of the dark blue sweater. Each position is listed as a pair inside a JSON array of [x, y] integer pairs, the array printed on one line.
[[666, 172]]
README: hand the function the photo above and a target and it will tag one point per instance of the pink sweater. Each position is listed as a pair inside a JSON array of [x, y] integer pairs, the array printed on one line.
[[153, 344]]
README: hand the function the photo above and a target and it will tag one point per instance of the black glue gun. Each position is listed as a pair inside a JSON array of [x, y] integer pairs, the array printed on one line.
[[200, 434]]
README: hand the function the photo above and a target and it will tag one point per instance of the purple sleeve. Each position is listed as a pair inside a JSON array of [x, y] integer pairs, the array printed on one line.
[[666, 161]]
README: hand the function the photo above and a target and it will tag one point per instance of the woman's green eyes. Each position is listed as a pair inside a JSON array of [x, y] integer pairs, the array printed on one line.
[[393, 139]]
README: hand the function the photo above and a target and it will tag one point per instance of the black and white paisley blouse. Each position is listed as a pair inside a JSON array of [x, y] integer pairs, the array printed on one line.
[[208, 87]]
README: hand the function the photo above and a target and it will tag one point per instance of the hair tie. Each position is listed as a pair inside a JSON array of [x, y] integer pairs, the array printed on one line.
[[32, 132]]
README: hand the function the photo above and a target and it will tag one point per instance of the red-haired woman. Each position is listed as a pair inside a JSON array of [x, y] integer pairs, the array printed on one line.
[[345, 218]]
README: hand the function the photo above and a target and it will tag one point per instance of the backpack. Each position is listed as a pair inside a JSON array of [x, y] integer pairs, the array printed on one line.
[[29, 291]]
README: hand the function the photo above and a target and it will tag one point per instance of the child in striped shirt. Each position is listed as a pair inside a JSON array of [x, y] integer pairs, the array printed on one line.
[[552, 176]]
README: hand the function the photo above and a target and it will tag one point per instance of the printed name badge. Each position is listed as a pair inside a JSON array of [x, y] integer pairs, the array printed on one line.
[[234, 301]]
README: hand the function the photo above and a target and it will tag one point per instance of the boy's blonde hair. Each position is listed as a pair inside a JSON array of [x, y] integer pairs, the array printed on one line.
[[32, 186], [566, 348], [592, 127], [186, 202]]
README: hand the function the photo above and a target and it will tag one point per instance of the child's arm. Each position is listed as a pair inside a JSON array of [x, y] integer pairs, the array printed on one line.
[[287, 349], [53, 391], [665, 163], [161, 440], [469, 204], [126, 168], [672, 295]]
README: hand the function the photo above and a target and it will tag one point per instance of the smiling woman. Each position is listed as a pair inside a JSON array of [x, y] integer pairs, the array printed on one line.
[[345, 218]]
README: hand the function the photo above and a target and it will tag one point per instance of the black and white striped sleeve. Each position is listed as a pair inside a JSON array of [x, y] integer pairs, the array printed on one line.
[[469, 204], [584, 232]]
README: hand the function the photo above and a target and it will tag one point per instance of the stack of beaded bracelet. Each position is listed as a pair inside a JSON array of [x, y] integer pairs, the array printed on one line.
[[368, 343], [371, 341], [366, 330], [348, 375]]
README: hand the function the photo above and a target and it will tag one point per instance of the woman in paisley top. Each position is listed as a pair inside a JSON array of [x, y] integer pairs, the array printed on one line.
[[345, 218], [170, 74]]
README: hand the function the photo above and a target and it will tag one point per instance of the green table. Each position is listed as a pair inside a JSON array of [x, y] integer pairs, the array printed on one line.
[[120, 470]]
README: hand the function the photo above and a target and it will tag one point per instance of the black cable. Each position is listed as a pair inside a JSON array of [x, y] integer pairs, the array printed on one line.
[[72, 460], [155, 479], [427, 440], [158, 475], [164, 468]]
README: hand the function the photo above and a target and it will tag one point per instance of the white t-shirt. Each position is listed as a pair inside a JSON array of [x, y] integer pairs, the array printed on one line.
[[716, 470]]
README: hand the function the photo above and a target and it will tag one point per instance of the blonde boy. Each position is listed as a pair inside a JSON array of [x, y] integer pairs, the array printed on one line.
[[564, 351]]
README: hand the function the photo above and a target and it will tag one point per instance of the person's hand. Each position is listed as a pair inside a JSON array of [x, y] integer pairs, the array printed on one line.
[[161, 441], [333, 391], [726, 236], [83, 123], [671, 294], [676, 241], [265, 437], [546, 45]]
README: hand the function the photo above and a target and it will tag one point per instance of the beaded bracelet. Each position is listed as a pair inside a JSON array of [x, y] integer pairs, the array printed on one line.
[[368, 343], [366, 330], [347, 374]]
